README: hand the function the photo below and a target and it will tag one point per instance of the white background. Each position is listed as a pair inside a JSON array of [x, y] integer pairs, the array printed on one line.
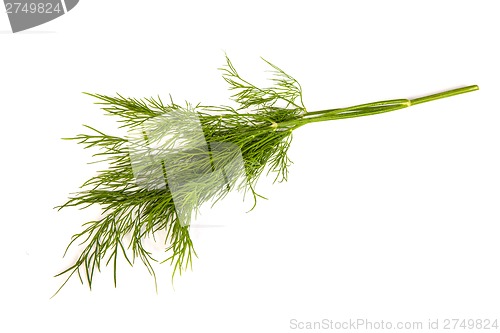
[[392, 217]]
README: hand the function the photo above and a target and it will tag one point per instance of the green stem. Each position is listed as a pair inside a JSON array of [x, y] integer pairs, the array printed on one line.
[[444, 94], [370, 108]]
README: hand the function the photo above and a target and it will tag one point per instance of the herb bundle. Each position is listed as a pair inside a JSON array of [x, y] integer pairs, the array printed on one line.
[[177, 157]]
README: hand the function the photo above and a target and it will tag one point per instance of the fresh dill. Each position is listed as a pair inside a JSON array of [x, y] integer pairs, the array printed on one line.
[[152, 185]]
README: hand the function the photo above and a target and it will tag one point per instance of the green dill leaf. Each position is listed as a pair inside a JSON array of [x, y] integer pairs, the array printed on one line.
[[176, 158]]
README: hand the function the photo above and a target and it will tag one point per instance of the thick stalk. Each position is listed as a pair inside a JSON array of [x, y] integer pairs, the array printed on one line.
[[369, 108]]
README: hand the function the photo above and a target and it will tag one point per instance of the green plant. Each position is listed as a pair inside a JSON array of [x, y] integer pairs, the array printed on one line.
[[257, 133]]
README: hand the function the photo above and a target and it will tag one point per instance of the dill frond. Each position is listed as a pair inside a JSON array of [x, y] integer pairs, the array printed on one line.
[[175, 158]]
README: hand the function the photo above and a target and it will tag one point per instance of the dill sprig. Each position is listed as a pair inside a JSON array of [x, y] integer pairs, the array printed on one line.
[[141, 194]]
